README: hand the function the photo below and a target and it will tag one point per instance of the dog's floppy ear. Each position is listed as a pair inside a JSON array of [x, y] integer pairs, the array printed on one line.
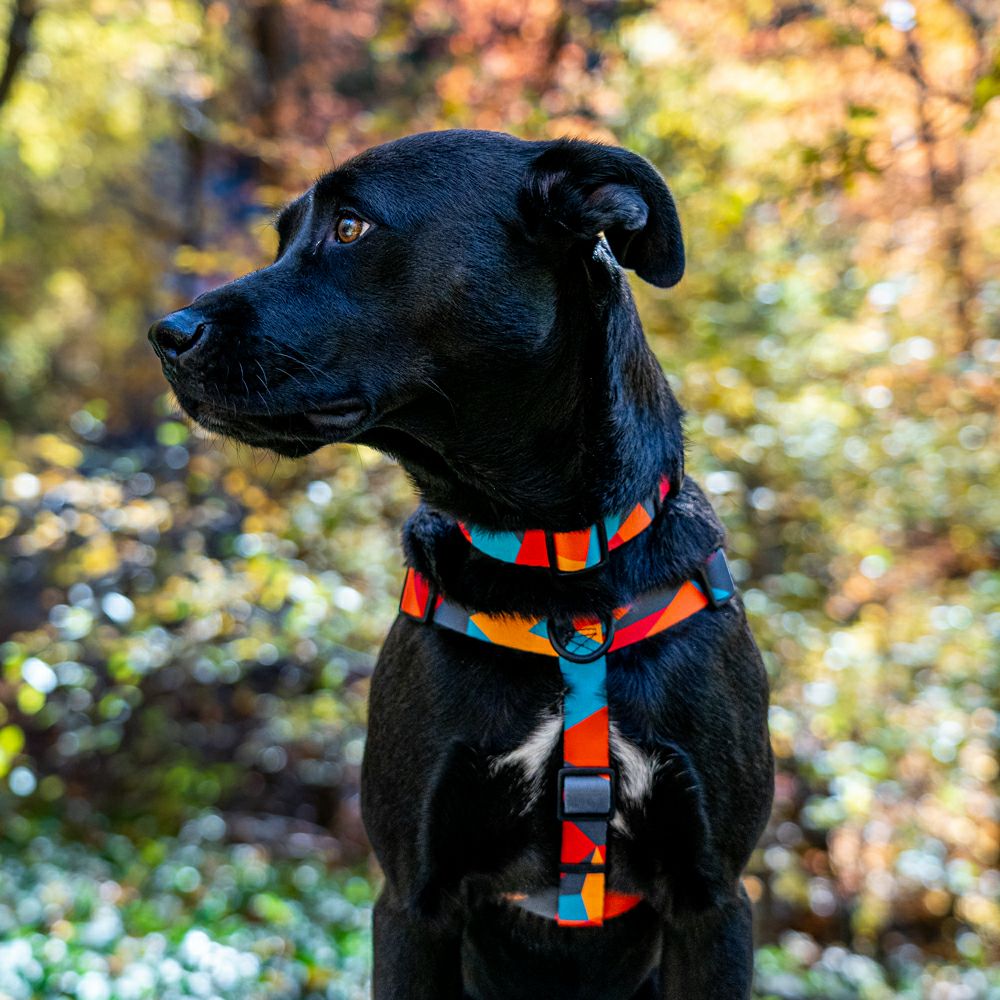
[[580, 189]]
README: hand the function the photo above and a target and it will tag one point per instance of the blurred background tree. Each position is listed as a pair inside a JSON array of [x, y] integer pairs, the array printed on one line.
[[188, 629]]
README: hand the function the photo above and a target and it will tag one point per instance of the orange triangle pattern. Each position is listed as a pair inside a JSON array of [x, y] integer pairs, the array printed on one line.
[[416, 592], [593, 897], [633, 525], [571, 549], [689, 599]]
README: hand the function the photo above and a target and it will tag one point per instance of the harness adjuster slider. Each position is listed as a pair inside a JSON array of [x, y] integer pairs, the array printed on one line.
[[431, 607], [586, 793], [553, 556], [716, 579]]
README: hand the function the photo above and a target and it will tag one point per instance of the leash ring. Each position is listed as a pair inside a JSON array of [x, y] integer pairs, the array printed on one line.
[[607, 622]]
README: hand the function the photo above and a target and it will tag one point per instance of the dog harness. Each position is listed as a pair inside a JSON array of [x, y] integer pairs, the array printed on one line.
[[586, 781]]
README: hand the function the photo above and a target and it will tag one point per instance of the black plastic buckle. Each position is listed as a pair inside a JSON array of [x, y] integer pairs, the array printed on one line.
[[602, 548], [580, 868], [566, 773], [558, 643], [660, 502], [716, 567], [432, 595]]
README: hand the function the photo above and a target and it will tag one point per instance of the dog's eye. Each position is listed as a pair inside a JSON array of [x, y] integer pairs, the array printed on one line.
[[350, 228]]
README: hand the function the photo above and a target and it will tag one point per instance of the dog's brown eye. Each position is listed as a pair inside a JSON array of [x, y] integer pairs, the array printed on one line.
[[349, 228]]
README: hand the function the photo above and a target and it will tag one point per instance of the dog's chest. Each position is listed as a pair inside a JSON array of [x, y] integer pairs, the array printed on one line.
[[531, 761]]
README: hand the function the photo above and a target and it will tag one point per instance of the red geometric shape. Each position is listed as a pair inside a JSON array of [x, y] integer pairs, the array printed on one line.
[[577, 847], [586, 743], [415, 594], [533, 551], [634, 632], [617, 903]]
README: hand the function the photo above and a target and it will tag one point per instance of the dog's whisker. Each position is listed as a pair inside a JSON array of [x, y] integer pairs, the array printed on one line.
[[431, 384], [305, 364], [243, 377], [264, 395], [293, 378], [263, 374]]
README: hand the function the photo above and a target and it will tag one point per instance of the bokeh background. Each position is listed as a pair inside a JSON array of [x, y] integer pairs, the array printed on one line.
[[188, 628]]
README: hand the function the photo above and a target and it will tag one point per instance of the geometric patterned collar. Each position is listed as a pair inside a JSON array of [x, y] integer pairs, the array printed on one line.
[[567, 552]]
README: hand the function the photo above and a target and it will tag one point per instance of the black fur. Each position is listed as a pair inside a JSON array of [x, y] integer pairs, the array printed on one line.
[[483, 333]]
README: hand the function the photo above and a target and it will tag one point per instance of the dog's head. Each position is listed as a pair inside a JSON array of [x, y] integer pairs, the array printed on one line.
[[414, 285]]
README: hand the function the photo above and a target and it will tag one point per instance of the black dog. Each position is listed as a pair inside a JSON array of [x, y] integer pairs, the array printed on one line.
[[456, 300]]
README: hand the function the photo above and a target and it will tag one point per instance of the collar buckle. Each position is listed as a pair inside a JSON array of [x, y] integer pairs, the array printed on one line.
[[553, 556]]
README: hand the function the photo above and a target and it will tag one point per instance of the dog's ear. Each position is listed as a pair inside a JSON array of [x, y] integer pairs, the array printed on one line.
[[578, 190]]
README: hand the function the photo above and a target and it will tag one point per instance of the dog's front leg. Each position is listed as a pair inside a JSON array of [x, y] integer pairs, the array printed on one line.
[[709, 956], [415, 959]]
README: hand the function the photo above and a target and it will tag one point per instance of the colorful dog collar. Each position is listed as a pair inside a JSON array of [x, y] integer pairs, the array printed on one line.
[[569, 551], [586, 783]]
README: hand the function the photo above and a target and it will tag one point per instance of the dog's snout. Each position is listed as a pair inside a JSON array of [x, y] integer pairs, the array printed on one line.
[[178, 334]]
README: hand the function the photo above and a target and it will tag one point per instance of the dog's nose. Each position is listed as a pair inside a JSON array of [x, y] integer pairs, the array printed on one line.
[[178, 334]]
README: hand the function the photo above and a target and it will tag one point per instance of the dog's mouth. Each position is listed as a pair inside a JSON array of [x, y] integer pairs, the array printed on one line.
[[340, 416], [292, 434]]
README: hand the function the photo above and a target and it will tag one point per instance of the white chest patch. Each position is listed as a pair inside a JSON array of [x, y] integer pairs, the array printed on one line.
[[636, 770], [532, 756]]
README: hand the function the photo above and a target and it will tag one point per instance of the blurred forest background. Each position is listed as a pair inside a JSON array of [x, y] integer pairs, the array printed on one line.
[[188, 629]]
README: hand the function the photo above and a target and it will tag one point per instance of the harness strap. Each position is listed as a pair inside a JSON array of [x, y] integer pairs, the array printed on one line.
[[567, 552], [586, 780], [648, 615], [586, 795]]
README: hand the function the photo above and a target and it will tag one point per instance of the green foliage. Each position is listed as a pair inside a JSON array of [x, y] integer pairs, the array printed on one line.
[[194, 624], [182, 917], [187, 630]]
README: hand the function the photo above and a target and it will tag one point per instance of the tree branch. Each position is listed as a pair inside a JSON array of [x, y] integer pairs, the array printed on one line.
[[17, 44]]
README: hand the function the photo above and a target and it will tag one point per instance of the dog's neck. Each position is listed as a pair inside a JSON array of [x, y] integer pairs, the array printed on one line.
[[561, 443]]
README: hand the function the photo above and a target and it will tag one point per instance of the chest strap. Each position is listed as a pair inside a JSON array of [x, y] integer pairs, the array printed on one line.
[[586, 782], [566, 552]]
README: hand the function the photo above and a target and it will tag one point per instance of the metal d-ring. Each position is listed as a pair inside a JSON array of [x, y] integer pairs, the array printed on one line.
[[607, 622]]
